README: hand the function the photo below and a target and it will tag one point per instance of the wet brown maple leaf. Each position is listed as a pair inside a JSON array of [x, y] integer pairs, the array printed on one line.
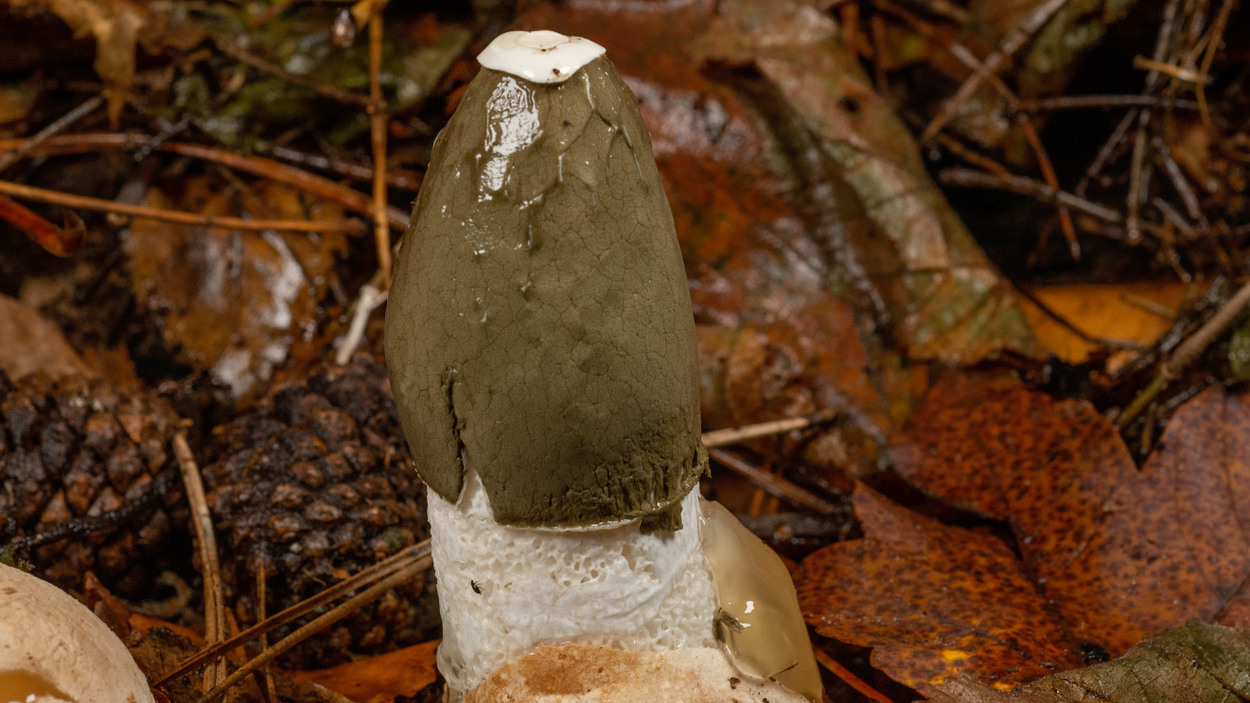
[[1107, 554], [932, 601], [1122, 553]]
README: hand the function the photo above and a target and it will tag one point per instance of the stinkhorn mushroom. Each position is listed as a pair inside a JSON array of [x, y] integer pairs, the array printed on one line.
[[542, 354], [54, 650]]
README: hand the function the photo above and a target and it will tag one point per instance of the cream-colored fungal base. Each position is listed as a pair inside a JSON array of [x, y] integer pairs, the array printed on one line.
[[541, 57], [54, 650], [580, 673], [505, 590]]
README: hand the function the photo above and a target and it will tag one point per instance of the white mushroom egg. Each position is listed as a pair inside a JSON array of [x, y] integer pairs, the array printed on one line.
[[54, 650]]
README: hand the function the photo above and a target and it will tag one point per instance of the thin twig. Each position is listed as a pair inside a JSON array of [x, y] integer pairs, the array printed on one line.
[[1051, 179], [1180, 73], [206, 540], [1150, 306], [876, 25], [395, 178], [1103, 102], [976, 159], [1202, 338], [1112, 145], [334, 615], [275, 170], [1137, 189], [942, 8], [1179, 182], [58, 241], [51, 130], [1010, 44], [258, 166], [850, 679], [1027, 186], [365, 576], [773, 483], [377, 132], [736, 435], [1136, 181], [369, 300], [1204, 71], [1188, 350], [1173, 216], [83, 202], [1110, 150], [266, 672]]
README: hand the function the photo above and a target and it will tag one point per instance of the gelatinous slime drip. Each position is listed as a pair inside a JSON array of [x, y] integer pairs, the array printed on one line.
[[21, 685], [758, 621]]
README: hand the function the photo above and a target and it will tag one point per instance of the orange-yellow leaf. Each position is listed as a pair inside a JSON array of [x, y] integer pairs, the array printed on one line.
[[379, 679], [1123, 312]]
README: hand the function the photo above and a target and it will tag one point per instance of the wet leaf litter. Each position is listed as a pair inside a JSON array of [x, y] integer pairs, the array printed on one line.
[[831, 280]]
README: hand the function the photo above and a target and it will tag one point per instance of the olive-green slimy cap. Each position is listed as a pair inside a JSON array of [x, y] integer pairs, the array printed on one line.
[[539, 327]]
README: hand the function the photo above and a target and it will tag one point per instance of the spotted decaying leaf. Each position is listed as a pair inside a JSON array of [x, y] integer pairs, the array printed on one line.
[[1105, 554], [1198, 663], [1121, 553], [232, 301], [932, 601]]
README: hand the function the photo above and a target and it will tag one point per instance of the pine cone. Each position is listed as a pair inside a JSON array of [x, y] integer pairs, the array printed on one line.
[[92, 465], [316, 483]]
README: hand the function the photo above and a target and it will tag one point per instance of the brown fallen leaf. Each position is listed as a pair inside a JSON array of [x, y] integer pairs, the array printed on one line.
[[232, 301], [380, 679], [32, 343], [1118, 553], [1198, 663], [943, 297], [1116, 312], [932, 601], [115, 25]]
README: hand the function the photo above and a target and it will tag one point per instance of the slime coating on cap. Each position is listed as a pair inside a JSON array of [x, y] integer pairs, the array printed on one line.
[[539, 325]]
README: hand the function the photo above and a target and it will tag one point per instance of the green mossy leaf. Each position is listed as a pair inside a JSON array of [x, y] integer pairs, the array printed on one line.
[[1198, 663]]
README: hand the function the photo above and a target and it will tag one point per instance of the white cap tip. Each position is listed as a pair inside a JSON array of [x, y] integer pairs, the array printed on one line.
[[541, 57]]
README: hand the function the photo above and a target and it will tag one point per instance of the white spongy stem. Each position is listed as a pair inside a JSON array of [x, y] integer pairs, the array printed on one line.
[[541, 57], [503, 590]]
